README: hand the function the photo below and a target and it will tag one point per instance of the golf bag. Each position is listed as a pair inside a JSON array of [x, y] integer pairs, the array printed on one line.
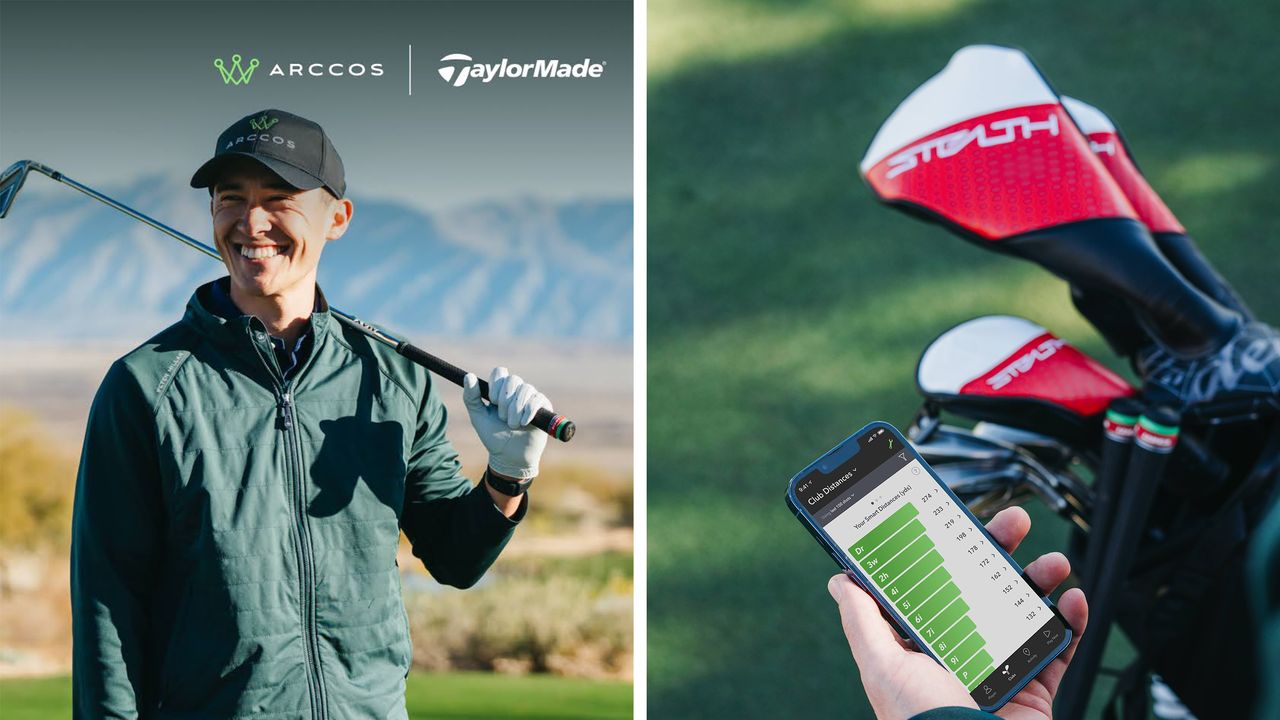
[[1035, 393], [990, 151]]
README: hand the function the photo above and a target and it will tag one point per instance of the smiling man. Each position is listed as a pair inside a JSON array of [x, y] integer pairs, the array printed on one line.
[[247, 472]]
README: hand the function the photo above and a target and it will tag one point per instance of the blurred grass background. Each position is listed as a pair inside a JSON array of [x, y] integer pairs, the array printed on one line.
[[787, 308], [441, 696]]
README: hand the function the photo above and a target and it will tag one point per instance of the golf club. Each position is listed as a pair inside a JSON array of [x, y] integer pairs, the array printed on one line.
[[1155, 436], [1090, 237], [1110, 147], [1118, 430], [1051, 451], [555, 425], [985, 489], [944, 446]]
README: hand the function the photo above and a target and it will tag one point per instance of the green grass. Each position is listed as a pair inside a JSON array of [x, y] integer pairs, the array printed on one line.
[[787, 308], [447, 696]]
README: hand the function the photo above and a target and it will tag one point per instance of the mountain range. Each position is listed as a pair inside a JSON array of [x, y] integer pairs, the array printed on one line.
[[524, 268]]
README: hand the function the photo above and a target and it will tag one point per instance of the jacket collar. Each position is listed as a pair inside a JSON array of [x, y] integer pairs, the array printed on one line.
[[239, 333]]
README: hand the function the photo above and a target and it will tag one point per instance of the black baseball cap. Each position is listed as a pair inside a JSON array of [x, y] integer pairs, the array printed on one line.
[[295, 148]]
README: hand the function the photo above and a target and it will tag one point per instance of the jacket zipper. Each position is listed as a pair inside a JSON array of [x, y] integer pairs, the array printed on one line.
[[303, 550], [308, 552]]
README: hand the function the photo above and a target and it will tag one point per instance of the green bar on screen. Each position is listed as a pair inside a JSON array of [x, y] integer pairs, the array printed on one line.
[[920, 593], [953, 636], [898, 589], [907, 558], [976, 670], [940, 600], [891, 525], [884, 554], [965, 651], [944, 620]]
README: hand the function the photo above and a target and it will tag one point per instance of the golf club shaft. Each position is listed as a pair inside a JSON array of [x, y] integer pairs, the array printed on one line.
[[1118, 428], [1154, 439], [557, 426]]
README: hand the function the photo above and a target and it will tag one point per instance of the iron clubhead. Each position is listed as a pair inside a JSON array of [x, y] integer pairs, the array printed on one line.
[[11, 182]]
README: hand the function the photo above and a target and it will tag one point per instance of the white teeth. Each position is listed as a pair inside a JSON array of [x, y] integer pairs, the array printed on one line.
[[259, 253]]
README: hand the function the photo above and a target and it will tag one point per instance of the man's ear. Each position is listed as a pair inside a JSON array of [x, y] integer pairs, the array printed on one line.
[[340, 212]]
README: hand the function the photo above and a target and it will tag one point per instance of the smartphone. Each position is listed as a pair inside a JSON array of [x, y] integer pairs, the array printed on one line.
[[880, 511]]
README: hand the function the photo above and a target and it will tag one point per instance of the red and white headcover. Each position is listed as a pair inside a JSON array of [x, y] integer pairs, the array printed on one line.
[[987, 146], [1106, 143], [1010, 357]]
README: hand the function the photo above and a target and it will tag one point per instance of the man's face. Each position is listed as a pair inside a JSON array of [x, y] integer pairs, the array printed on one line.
[[271, 234]]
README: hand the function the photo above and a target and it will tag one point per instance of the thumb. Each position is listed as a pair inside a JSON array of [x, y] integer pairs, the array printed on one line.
[[471, 393], [870, 638]]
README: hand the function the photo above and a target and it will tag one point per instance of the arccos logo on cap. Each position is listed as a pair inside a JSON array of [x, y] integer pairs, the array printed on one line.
[[260, 125], [462, 67]]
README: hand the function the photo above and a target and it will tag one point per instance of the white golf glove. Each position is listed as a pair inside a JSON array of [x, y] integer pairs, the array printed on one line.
[[503, 423]]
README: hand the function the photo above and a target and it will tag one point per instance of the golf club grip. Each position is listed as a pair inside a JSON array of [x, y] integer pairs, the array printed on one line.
[[557, 426]]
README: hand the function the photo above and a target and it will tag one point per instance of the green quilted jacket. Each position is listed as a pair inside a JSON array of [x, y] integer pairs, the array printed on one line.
[[235, 534]]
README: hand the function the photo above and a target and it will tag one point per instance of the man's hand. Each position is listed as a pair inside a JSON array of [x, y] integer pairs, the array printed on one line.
[[503, 423], [901, 681]]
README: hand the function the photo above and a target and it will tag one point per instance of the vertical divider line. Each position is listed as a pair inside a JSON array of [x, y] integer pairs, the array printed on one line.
[[410, 69]]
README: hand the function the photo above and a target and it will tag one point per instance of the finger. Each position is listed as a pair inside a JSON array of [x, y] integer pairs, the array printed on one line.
[[871, 639], [1009, 527], [1048, 571], [471, 392], [1075, 610], [498, 380], [519, 399], [510, 390], [497, 374], [531, 408]]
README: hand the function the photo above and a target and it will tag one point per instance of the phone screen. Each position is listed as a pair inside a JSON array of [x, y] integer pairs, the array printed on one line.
[[929, 561]]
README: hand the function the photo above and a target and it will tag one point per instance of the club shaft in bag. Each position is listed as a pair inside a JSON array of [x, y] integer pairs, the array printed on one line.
[[555, 425], [1117, 434], [1154, 440]]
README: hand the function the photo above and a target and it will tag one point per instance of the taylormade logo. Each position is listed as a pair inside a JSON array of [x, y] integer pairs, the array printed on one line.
[[1020, 366], [997, 132], [460, 66]]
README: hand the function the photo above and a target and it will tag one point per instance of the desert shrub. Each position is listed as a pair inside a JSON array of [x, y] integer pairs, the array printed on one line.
[[37, 485], [560, 624]]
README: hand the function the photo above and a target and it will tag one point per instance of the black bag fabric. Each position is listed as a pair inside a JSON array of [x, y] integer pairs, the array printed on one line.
[[1188, 615]]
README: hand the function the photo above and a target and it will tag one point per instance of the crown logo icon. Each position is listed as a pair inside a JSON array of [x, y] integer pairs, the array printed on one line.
[[237, 74], [262, 123]]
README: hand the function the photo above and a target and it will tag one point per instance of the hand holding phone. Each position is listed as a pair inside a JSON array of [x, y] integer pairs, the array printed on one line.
[[901, 681], [977, 630]]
